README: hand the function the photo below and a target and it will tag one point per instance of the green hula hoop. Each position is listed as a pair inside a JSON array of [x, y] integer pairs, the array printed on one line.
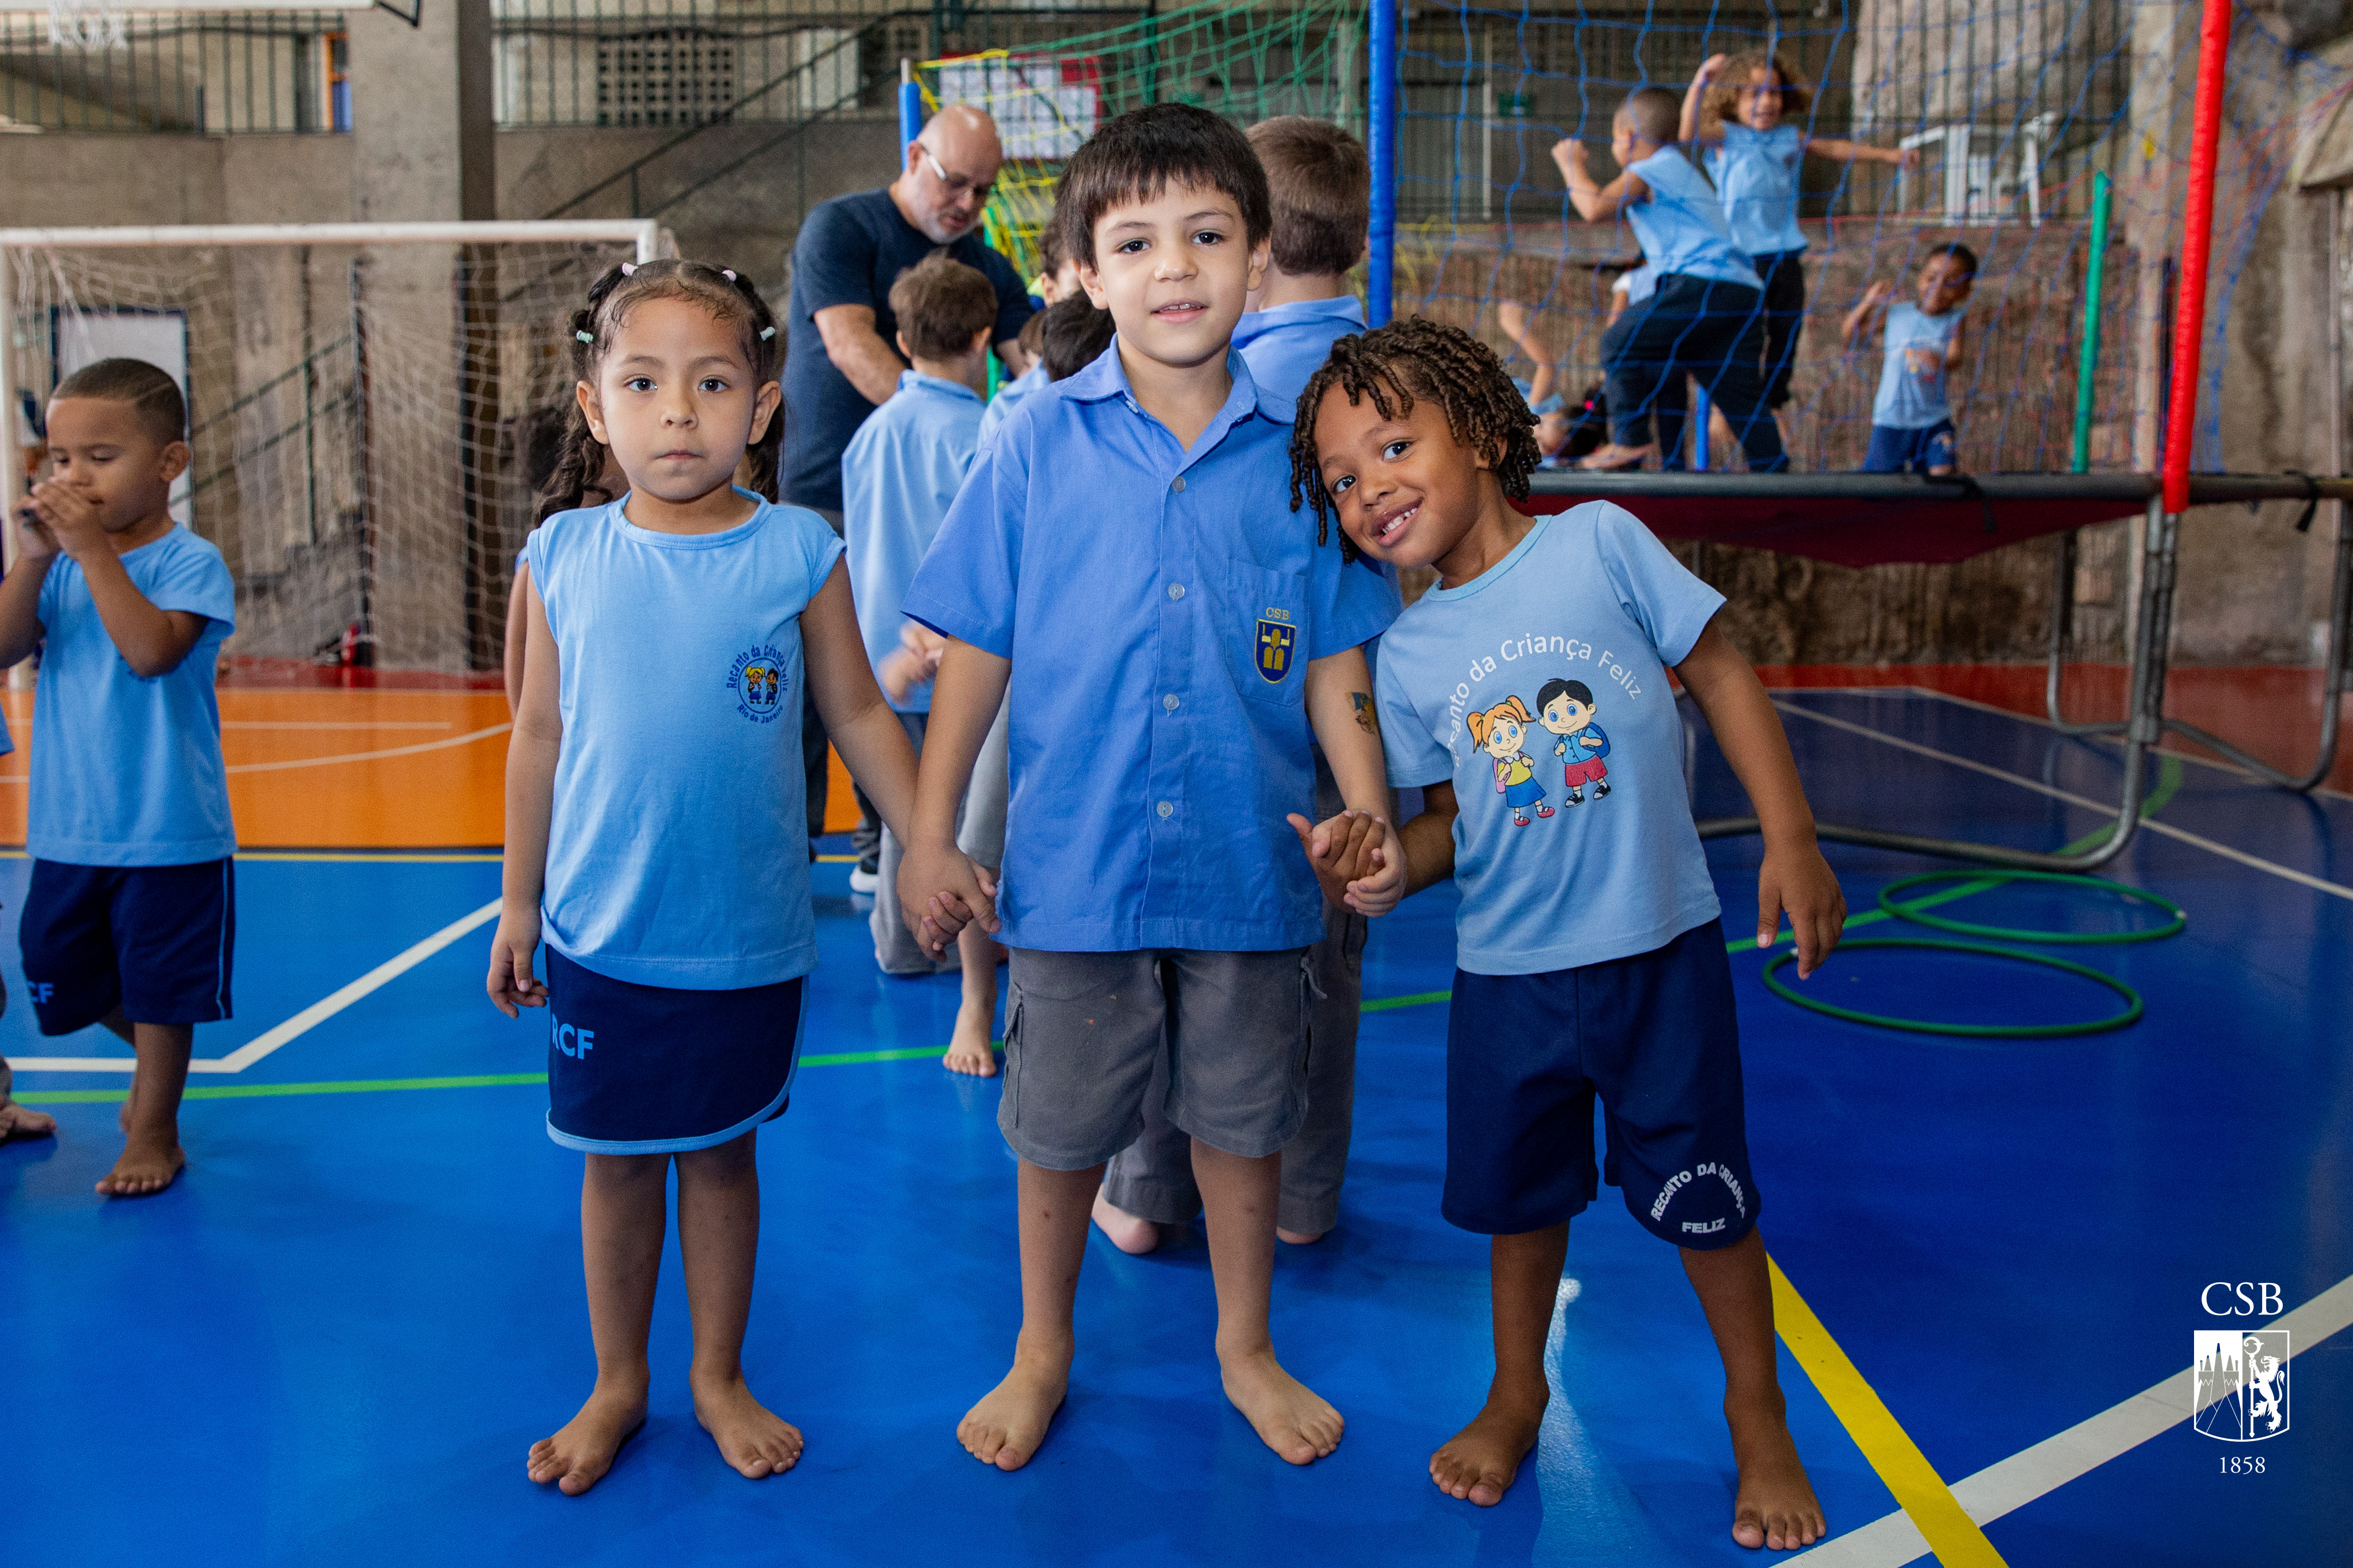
[[1889, 901], [2131, 1014]]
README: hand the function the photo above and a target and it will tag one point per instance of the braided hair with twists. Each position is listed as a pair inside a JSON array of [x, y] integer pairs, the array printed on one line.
[[729, 297], [1414, 358]]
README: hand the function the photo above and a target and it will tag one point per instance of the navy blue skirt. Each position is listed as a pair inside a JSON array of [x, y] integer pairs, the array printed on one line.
[[645, 1070]]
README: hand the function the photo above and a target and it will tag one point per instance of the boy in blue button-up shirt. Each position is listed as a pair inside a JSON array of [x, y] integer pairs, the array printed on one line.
[[1123, 553]]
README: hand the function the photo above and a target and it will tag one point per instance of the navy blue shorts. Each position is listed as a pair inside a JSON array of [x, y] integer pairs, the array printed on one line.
[[645, 1070], [1897, 450], [1654, 1038], [157, 940]]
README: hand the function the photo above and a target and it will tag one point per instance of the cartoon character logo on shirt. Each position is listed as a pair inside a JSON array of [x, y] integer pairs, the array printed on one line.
[[1567, 709], [1276, 637], [1498, 732], [758, 680]]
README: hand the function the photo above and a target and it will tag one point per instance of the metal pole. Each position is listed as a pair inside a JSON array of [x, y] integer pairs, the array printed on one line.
[[2102, 195], [1381, 235], [911, 108], [11, 489], [2197, 252], [1699, 427]]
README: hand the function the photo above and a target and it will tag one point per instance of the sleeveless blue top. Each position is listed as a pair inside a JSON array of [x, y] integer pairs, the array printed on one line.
[[678, 852]]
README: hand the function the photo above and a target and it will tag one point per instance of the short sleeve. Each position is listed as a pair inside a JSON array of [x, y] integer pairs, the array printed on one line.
[[1355, 601], [1416, 760], [1670, 605], [820, 548], [967, 583], [833, 259], [523, 556], [195, 579]]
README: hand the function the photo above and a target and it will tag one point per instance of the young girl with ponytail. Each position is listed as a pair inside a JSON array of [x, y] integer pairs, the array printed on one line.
[[656, 835]]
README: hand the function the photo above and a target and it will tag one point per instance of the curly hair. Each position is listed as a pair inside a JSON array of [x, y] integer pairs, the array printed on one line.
[[729, 297], [1413, 358], [1722, 102]]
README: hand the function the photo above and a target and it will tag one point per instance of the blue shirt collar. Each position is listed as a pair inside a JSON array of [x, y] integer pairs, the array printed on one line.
[[916, 381], [1257, 323], [1107, 377]]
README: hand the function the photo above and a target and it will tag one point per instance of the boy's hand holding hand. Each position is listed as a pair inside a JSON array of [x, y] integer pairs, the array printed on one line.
[[68, 520], [511, 983], [1358, 859], [1795, 877], [941, 891]]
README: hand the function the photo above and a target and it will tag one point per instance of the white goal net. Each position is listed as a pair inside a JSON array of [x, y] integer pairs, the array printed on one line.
[[369, 406]]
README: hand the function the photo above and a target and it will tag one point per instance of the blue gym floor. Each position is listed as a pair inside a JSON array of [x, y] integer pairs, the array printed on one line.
[[334, 1340]]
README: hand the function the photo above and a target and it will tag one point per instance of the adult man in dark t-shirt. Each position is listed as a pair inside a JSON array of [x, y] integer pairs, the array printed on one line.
[[842, 359]]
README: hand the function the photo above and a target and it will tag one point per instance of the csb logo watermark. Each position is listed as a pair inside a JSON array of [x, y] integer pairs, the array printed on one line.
[[2239, 1376]]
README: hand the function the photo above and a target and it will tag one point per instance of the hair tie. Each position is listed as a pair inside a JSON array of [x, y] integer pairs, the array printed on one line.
[[628, 270], [728, 273], [586, 337], [767, 332]]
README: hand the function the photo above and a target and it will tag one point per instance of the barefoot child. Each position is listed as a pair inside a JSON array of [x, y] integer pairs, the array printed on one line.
[[131, 920], [1321, 183], [1704, 320], [656, 827], [1173, 640], [1912, 416], [1737, 111], [1590, 957]]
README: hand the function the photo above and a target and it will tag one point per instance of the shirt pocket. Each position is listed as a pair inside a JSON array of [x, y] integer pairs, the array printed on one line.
[[1262, 629]]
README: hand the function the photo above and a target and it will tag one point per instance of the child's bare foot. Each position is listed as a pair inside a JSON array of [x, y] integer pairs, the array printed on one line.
[[1130, 1234], [751, 1437], [1289, 1417], [1612, 457], [970, 1050], [582, 1450], [22, 1121], [1775, 1506], [1299, 1238], [1006, 1426], [148, 1165], [1479, 1461]]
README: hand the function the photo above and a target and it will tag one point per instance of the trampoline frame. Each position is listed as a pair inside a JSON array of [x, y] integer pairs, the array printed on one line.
[[2145, 723]]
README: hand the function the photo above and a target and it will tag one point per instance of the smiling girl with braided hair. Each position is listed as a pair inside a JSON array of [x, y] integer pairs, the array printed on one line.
[[1590, 957], [656, 827]]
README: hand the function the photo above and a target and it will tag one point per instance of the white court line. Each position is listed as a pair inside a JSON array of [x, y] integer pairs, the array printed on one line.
[[371, 756], [337, 724], [301, 1023], [2009, 1485], [2147, 826]]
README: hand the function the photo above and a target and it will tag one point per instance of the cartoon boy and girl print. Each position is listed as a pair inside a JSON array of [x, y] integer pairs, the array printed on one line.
[[1566, 709]]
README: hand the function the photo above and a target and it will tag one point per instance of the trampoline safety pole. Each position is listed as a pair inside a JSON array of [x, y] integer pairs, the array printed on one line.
[[1381, 139], [2197, 251], [911, 106], [2102, 201]]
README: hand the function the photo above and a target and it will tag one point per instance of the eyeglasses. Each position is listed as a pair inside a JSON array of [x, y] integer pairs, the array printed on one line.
[[956, 185]]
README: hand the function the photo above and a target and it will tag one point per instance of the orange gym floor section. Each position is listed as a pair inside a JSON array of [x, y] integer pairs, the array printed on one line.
[[385, 768]]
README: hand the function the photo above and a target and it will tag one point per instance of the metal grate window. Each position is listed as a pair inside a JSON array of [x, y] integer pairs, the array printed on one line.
[[677, 77]]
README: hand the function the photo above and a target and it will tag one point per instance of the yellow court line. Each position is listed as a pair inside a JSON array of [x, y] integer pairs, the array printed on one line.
[[1950, 1533]]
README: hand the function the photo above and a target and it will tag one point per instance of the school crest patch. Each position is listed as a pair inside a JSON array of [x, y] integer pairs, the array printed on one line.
[[1275, 641], [758, 680]]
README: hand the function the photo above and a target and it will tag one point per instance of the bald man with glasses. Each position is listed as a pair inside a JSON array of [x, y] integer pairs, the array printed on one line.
[[842, 357]]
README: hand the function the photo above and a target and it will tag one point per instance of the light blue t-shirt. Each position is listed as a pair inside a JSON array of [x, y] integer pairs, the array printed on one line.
[[127, 769], [1009, 398], [678, 852], [1160, 607], [898, 475], [1285, 344], [1681, 226], [1499, 686], [1757, 179], [1910, 396]]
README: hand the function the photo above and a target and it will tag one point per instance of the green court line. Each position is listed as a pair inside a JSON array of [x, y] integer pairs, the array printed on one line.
[[2168, 783]]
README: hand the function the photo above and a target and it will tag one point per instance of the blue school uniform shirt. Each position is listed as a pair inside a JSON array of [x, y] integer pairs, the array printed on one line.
[[1911, 399], [898, 476], [1682, 225], [1160, 607], [126, 768], [1285, 344], [1757, 180], [1588, 597], [1009, 398], [677, 850]]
